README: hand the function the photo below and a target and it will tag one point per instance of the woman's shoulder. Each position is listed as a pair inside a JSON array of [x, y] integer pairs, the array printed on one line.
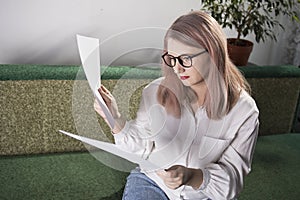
[[244, 109], [247, 100], [245, 104]]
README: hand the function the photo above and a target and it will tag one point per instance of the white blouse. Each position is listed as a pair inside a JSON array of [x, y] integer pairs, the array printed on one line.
[[222, 148]]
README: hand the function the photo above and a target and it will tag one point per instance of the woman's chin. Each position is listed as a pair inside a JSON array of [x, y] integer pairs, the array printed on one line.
[[186, 83]]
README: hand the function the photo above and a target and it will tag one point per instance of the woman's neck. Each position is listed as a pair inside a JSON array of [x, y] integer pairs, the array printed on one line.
[[200, 89]]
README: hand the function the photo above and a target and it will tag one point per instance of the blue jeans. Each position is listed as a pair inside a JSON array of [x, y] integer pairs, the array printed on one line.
[[140, 187]]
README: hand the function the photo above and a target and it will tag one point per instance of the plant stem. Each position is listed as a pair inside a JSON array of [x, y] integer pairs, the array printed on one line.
[[239, 35]]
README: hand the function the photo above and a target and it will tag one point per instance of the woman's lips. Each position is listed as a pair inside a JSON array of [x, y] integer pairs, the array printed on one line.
[[184, 77]]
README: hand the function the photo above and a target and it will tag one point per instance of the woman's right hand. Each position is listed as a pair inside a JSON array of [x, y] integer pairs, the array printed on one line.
[[111, 103]]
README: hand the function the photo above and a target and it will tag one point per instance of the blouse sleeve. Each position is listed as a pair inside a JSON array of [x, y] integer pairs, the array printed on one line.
[[133, 137], [224, 179]]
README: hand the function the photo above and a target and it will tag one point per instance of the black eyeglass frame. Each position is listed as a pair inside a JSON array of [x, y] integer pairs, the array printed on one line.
[[180, 60]]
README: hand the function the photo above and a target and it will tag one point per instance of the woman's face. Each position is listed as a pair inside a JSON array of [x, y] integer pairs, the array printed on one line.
[[189, 76]]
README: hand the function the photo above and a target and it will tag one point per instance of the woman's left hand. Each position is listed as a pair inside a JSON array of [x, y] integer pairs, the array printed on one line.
[[178, 175], [175, 176]]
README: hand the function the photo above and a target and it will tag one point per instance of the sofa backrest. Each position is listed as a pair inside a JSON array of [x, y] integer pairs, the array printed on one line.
[[38, 100], [276, 90]]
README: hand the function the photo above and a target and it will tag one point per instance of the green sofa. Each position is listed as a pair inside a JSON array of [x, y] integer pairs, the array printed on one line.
[[37, 162]]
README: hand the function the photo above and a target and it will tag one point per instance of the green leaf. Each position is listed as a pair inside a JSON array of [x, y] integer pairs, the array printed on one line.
[[257, 16]]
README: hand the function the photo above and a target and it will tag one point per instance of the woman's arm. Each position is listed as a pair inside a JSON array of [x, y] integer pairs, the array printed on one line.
[[225, 178], [132, 135]]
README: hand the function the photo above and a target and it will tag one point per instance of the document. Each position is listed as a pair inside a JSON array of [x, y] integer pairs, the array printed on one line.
[[112, 148], [90, 59], [89, 52]]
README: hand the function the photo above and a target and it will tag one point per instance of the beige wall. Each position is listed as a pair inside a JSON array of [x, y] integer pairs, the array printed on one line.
[[43, 31]]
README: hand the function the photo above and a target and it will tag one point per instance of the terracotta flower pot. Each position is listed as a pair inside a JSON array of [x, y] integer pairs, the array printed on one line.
[[239, 54]]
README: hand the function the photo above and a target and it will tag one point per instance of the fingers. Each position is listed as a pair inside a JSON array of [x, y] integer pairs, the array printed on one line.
[[104, 91], [106, 95], [103, 88], [169, 177], [169, 173], [172, 177], [110, 101], [107, 99]]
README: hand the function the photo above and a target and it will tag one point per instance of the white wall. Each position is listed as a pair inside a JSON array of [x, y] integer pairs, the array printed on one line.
[[131, 31]]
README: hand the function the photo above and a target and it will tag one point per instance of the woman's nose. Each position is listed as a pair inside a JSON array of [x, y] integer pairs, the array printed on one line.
[[178, 68]]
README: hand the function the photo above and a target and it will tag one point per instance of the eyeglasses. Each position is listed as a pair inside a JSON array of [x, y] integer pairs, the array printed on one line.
[[184, 60]]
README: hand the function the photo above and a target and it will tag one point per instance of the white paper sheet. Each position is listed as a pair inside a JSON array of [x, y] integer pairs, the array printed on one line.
[[90, 59], [112, 148], [89, 52]]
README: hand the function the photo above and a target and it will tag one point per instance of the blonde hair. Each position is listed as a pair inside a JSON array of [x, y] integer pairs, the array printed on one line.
[[224, 81]]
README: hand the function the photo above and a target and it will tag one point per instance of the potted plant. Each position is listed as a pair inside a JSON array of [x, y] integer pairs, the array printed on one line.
[[249, 16]]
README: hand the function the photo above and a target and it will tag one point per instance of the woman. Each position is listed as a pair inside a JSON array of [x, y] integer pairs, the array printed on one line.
[[198, 123]]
